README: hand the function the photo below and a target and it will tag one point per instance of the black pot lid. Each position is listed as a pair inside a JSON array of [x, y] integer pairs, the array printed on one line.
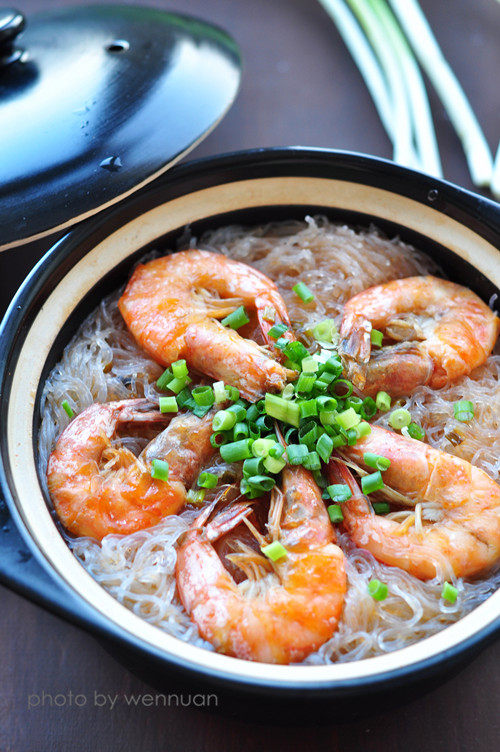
[[97, 101]]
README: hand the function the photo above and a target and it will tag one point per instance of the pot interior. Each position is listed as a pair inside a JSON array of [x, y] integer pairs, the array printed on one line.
[[92, 269]]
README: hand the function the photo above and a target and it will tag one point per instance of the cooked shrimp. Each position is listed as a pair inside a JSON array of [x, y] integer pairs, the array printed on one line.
[[171, 306], [455, 524], [296, 607], [442, 331], [98, 488]]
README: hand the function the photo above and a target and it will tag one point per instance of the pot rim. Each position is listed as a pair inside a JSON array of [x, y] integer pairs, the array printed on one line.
[[52, 261]]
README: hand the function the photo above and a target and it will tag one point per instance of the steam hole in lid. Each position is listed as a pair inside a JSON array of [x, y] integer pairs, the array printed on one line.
[[118, 45]]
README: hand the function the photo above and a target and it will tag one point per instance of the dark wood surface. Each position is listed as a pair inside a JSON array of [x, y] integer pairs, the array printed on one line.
[[299, 87]]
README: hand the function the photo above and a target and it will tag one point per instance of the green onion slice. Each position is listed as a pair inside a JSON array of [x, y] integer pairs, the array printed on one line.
[[399, 418], [449, 592], [274, 551], [168, 405], [159, 469], [303, 292], [372, 482], [67, 408], [339, 492], [335, 513], [383, 402], [207, 480], [236, 319], [376, 461], [378, 590]]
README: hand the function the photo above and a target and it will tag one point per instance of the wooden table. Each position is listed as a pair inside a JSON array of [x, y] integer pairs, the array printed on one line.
[[299, 87]]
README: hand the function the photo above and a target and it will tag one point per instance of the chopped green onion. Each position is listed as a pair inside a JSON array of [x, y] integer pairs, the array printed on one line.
[[312, 461], [399, 418], [281, 409], [449, 592], [203, 395], [274, 464], [269, 314], [196, 497], [262, 447], [464, 410], [376, 461], [207, 480], [261, 483], [414, 431], [296, 453], [168, 405], [327, 418], [303, 292], [338, 441], [381, 507], [352, 435], [177, 385], [253, 466], [237, 450], [309, 364], [159, 470], [378, 590], [223, 420], [295, 351], [236, 319], [383, 402], [165, 378], [354, 402], [253, 413], [184, 398], [363, 429], [220, 394], [305, 382], [238, 411], [219, 438], [281, 343], [325, 331], [277, 330], [335, 513], [368, 408], [67, 408], [179, 369], [348, 418], [376, 337], [240, 431], [345, 387], [274, 551], [326, 404], [308, 408], [308, 433], [339, 492], [232, 392], [334, 366], [324, 447], [372, 482]]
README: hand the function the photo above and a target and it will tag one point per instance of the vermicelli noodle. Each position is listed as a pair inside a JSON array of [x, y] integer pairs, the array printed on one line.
[[103, 363]]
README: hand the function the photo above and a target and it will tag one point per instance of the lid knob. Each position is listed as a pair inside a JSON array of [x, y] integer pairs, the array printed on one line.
[[12, 22]]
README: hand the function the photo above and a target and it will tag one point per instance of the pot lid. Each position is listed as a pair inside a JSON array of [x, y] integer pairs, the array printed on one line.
[[97, 101]]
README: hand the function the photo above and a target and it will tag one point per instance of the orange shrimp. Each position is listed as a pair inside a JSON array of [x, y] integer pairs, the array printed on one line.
[[455, 523], [171, 306], [442, 331], [296, 607], [98, 488]]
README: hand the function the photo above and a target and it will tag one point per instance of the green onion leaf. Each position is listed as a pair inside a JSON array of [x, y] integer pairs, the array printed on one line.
[[348, 418], [383, 402], [464, 410], [67, 408], [339, 492], [165, 378], [203, 395], [220, 394], [277, 330], [381, 507], [179, 369], [237, 450], [399, 418], [295, 351], [376, 461], [296, 453], [223, 420], [376, 337], [274, 464], [207, 480], [281, 409], [305, 382], [414, 431], [449, 592], [378, 590], [303, 292], [236, 319], [159, 470], [274, 551], [324, 447], [325, 331], [312, 461], [335, 513], [372, 482], [168, 405]]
